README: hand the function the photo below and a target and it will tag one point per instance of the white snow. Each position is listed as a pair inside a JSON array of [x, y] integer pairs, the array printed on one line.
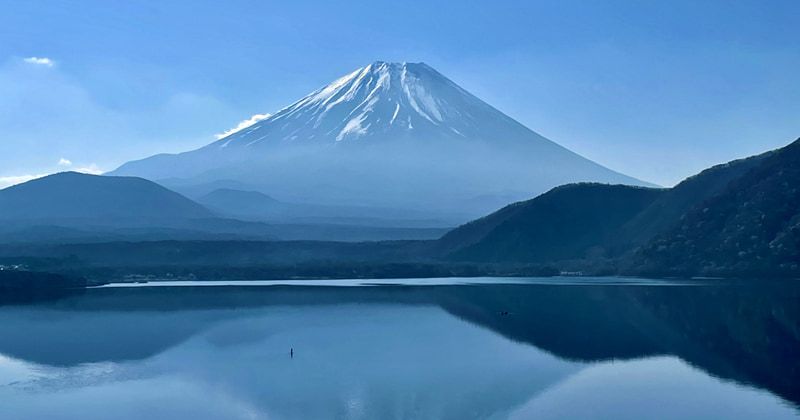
[[353, 127], [416, 92], [360, 104], [394, 116], [329, 91]]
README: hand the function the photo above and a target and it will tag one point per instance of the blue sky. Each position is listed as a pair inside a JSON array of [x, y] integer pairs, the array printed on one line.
[[654, 89]]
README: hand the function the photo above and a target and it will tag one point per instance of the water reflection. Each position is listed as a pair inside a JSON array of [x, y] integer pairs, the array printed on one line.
[[469, 351]]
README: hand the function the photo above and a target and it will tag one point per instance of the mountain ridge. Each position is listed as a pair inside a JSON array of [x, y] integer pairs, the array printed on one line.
[[74, 195], [399, 93], [567, 222], [738, 218], [750, 226]]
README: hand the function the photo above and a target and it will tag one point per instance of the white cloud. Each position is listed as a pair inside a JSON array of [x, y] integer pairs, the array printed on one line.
[[92, 169], [7, 181], [242, 125], [40, 61], [64, 162]]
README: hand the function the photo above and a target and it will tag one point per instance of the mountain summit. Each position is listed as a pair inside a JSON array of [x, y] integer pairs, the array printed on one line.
[[397, 135], [381, 101]]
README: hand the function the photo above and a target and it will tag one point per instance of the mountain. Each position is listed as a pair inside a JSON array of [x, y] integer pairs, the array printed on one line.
[[81, 208], [667, 210], [257, 206], [196, 191], [751, 227], [75, 196], [569, 222], [71, 206], [735, 219], [242, 203], [397, 135]]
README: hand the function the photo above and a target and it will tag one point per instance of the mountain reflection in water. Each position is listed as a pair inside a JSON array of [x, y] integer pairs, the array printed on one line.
[[506, 350]]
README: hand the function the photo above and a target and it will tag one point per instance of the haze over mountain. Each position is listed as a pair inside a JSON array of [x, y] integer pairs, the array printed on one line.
[[76, 207], [389, 134], [71, 206], [257, 206]]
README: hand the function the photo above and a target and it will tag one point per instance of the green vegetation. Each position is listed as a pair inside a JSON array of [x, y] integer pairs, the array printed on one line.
[[752, 227], [741, 219], [569, 222]]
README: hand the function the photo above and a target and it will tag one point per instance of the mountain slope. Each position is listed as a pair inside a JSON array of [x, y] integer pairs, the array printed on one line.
[[666, 211], [71, 206], [254, 205], [737, 219], [752, 226], [75, 207], [388, 134], [242, 203], [72, 195], [569, 222]]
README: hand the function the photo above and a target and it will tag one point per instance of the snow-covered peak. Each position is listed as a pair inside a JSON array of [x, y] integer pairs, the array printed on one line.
[[388, 135], [381, 100]]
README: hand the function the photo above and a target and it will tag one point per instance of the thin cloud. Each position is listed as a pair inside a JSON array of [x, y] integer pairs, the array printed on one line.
[[64, 162], [242, 125], [7, 181], [40, 61], [92, 169]]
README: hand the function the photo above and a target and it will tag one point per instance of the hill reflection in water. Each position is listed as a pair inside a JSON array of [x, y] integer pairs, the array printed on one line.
[[450, 351]]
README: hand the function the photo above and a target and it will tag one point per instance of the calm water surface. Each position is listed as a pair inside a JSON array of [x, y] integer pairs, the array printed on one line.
[[422, 349]]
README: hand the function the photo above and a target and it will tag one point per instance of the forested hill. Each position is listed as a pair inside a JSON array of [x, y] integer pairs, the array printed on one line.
[[736, 219]]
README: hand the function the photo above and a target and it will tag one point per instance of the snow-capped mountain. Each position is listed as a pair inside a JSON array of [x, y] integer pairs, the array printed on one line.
[[380, 101], [388, 134]]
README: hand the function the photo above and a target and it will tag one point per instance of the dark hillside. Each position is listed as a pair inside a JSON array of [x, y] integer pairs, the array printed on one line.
[[568, 222]]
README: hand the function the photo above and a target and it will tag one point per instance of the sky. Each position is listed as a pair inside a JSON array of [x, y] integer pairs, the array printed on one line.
[[655, 89]]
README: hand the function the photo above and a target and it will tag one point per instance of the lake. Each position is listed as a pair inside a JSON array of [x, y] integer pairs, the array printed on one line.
[[421, 349]]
